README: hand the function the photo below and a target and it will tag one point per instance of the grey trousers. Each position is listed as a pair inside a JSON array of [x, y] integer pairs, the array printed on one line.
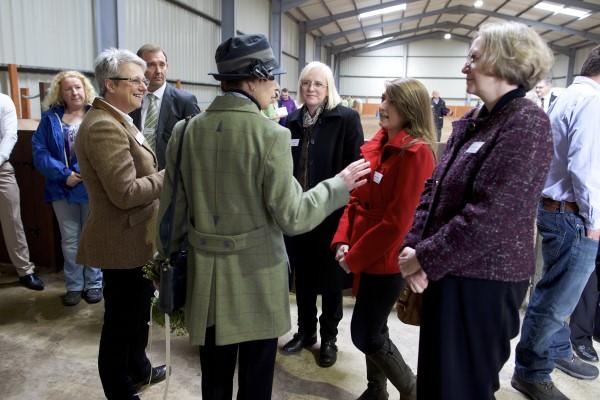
[[10, 219]]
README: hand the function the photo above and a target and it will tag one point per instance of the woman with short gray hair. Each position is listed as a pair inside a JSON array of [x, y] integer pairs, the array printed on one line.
[[120, 173]]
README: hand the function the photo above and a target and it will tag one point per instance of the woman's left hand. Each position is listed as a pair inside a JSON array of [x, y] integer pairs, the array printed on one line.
[[344, 266], [408, 263], [418, 281]]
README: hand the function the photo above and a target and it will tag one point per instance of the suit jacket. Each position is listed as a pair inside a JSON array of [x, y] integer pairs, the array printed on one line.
[[123, 187], [237, 196], [175, 105]]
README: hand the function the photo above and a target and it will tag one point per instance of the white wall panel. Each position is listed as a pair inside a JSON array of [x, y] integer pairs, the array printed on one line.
[[387, 52], [580, 57], [451, 48], [290, 78], [189, 40], [57, 33], [448, 88], [373, 66], [253, 16], [209, 7], [433, 67], [362, 87], [289, 36], [559, 70]]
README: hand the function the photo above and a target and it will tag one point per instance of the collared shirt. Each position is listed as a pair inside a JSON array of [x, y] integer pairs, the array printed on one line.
[[158, 93], [574, 171], [8, 127], [126, 117]]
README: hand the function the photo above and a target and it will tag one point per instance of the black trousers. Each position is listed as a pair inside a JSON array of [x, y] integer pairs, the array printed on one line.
[[331, 308], [376, 296], [585, 320], [122, 357], [466, 328], [255, 372]]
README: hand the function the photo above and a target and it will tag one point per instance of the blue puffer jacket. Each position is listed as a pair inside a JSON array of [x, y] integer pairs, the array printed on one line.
[[49, 158]]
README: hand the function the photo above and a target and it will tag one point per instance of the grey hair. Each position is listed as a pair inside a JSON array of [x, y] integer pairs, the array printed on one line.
[[107, 65]]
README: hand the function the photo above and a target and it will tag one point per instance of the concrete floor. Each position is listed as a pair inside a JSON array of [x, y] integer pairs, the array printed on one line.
[[49, 352]]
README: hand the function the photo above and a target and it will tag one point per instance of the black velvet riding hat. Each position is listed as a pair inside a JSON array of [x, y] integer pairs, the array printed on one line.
[[246, 56]]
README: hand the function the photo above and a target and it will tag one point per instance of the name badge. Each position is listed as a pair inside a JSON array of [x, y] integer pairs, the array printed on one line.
[[474, 147], [140, 138], [295, 142], [377, 177]]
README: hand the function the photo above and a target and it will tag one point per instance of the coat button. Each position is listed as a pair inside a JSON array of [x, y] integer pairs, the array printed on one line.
[[228, 244]]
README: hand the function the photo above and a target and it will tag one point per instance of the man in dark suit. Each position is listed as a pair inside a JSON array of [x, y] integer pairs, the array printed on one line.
[[163, 104], [543, 89], [439, 110]]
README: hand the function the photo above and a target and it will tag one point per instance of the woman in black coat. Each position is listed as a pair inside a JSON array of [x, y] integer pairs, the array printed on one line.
[[326, 136]]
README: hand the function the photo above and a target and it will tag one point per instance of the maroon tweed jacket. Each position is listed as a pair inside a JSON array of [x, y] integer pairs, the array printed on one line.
[[476, 215]]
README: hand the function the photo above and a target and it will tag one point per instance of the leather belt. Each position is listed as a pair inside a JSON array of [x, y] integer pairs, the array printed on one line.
[[554, 205]]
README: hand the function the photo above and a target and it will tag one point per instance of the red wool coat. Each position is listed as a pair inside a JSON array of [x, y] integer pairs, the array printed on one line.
[[380, 213]]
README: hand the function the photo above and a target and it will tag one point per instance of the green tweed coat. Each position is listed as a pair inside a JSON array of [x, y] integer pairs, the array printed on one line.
[[237, 198]]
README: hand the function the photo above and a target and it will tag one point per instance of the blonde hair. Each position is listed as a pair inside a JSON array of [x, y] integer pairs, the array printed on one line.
[[411, 100], [515, 52], [333, 98], [54, 96]]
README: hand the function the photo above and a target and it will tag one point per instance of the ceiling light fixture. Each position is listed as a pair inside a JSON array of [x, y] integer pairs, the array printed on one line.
[[379, 42], [447, 36], [386, 10], [561, 9], [478, 4]]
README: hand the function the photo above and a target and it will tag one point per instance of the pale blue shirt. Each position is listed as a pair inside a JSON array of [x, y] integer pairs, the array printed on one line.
[[574, 173]]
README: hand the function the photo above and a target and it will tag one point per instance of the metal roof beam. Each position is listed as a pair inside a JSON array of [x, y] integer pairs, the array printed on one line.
[[467, 10], [319, 22], [287, 5], [439, 25], [580, 4]]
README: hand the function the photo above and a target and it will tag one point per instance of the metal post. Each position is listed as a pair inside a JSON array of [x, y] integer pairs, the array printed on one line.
[[301, 45], [227, 19], [275, 33], [571, 66]]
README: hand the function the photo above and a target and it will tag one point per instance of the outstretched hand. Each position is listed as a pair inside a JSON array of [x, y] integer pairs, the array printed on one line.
[[353, 172]]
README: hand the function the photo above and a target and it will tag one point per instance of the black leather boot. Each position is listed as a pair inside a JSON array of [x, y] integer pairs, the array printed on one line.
[[377, 383], [328, 353], [298, 342], [391, 363]]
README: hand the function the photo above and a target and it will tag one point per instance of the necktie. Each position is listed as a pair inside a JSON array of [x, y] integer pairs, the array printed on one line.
[[542, 102], [151, 121]]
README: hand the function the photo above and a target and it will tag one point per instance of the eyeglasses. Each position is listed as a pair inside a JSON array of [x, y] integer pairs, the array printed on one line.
[[472, 58], [136, 81], [315, 84]]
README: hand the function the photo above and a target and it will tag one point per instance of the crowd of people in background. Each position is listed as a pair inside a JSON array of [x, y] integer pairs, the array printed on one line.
[[266, 181]]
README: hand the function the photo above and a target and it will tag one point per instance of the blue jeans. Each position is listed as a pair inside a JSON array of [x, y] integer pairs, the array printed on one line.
[[71, 217], [569, 259]]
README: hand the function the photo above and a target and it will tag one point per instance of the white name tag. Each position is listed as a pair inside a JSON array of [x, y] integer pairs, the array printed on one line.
[[295, 142], [140, 138], [474, 147], [377, 177]]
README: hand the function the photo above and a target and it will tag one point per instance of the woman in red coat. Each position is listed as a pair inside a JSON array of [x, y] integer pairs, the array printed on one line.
[[374, 223]]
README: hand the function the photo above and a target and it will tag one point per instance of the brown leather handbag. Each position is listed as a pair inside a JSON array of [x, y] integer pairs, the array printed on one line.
[[408, 307]]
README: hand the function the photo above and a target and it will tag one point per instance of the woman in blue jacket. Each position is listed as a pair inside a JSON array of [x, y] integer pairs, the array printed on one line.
[[54, 157]]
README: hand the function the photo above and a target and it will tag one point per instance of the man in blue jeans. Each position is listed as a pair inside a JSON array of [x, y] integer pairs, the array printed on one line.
[[569, 221]]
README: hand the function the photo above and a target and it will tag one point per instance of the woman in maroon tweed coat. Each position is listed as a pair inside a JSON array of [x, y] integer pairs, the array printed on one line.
[[470, 249]]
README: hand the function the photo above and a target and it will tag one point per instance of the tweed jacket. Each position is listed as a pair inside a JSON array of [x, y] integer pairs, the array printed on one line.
[[238, 195], [176, 104], [123, 186], [476, 216]]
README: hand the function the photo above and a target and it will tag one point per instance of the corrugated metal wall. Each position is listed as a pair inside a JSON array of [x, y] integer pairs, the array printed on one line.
[[310, 48], [253, 16], [436, 63], [189, 40], [57, 33]]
